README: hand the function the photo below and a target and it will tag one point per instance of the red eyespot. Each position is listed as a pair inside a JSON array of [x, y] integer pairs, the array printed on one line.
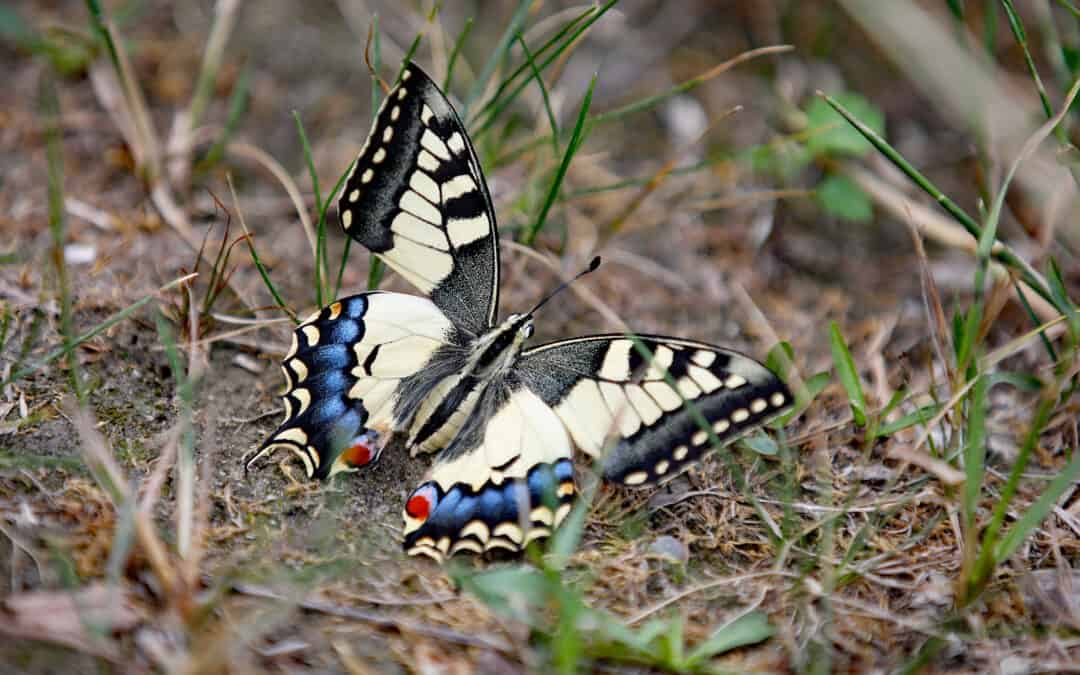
[[420, 503], [358, 455]]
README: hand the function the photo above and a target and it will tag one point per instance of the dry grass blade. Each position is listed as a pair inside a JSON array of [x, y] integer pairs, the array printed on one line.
[[404, 625], [111, 477], [262, 158]]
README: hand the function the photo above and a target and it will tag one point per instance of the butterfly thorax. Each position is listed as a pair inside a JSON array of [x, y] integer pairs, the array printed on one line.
[[491, 355]]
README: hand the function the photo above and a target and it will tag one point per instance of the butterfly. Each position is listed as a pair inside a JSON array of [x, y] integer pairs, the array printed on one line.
[[441, 373]]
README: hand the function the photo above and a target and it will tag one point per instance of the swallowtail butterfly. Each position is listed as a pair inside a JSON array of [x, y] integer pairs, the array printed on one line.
[[441, 374]]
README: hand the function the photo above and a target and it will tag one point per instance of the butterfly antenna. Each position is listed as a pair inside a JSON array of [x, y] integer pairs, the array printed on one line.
[[591, 268]]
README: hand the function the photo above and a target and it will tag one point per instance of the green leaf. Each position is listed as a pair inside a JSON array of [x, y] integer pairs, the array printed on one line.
[[514, 592], [830, 134], [746, 630], [840, 196], [1038, 511], [762, 444], [783, 159], [848, 374], [919, 416]]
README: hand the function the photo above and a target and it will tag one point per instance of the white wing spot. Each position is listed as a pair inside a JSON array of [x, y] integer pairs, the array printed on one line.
[[311, 332], [703, 358], [705, 379], [424, 186], [406, 75], [510, 531], [758, 405], [427, 161], [636, 478], [426, 114], [387, 134], [721, 426], [664, 395], [365, 178], [699, 438], [458, 186], [777, 399], [434, 145], [464, 231], [740, 415], [346, 218], [662, 467], [293, 435], [734, 381], [420, 207], [688, 388], [408, 225], [541, 514], [402, 93], [395, 112], [456, 143], [355, 194], [680, 453], [304, 397], [616, 365], [300, 368], [379, 156], [561, 512]]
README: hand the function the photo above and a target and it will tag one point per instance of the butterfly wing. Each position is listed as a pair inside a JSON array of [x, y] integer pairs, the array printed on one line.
[[417, 198], [348, 366], [506, 480], [609, 394]]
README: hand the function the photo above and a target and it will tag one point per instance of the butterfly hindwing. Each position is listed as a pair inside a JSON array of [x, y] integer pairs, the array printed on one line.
[[343, 375], [506, 480], [418, 199], [618, 404]]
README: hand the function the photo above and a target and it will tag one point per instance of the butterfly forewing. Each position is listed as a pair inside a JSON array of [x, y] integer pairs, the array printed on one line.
[[615, 395], [417, 198]]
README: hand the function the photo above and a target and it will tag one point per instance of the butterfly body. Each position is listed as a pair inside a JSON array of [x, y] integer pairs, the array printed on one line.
[[440, 374]]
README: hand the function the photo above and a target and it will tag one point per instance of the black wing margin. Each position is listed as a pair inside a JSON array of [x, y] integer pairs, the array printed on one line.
[[417, 198]]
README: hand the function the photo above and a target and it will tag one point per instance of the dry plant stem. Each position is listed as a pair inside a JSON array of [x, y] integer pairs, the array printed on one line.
[[936, 227], [259, 156], [615, 225], [181, 139], [405, 626], [116, 486]]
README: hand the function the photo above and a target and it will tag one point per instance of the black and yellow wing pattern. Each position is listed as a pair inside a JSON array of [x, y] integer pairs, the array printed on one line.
[[441, 374]]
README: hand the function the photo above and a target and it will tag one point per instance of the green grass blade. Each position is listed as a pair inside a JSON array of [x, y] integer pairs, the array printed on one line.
[[455, 53], [54, 151], [748, 629], [848, 374], [975, 450], [556, 184], [263, 272], [320, 230], [497, 56], [560, 42], [93, 332], [1002, 253], [987, 561], [544, 94], [1039, 510], [237, 107], [348, 240]]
